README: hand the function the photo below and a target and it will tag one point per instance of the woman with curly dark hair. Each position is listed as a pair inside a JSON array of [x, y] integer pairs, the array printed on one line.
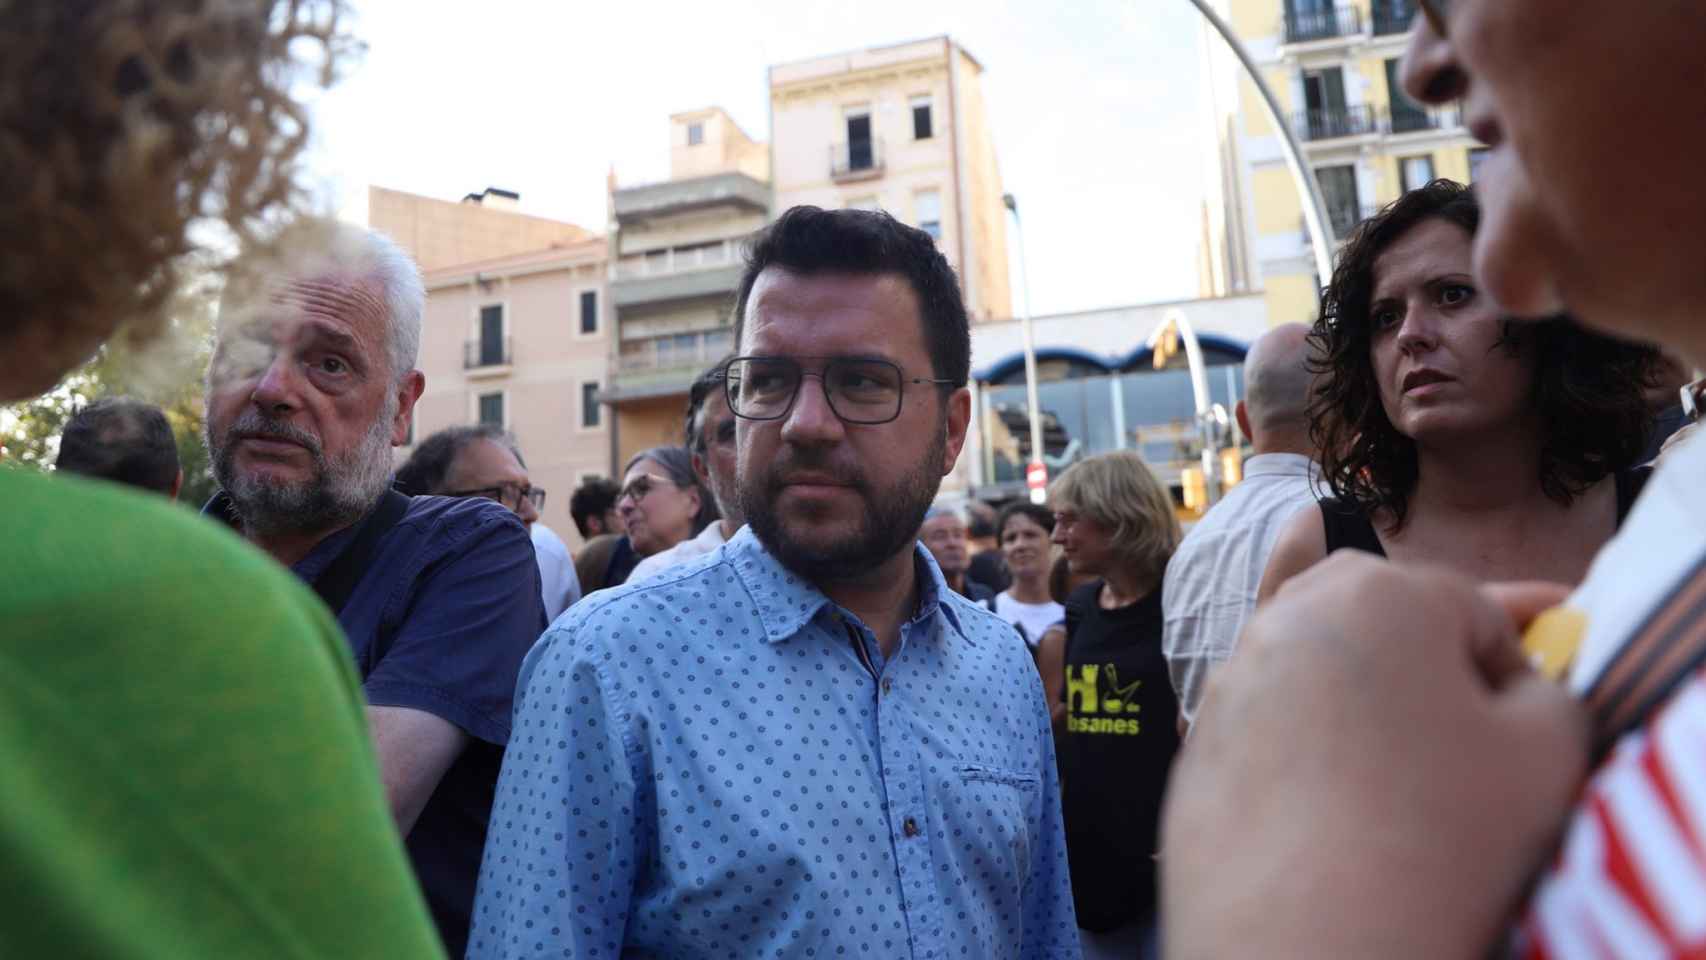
[[1451, 433]]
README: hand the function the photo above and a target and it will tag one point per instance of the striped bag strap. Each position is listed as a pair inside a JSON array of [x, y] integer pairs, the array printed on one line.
[[1668, 648]]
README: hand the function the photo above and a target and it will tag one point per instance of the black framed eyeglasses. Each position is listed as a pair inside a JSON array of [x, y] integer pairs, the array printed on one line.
[[638, 488], [508, 494], [862, 390]]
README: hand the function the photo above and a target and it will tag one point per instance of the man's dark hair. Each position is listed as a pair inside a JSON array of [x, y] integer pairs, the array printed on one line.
[[426, 469], [692, 428], [1588, 388], [812, 240], [1043, 516], [123, 440], [595, 497]]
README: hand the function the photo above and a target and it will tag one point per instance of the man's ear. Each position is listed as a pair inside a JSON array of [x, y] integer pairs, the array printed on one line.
[[702, 470], [1243, 417], [178, 484], [408, 391], [959, 419]]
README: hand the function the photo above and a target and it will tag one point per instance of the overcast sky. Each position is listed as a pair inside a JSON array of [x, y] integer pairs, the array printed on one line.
[[1095, 111]]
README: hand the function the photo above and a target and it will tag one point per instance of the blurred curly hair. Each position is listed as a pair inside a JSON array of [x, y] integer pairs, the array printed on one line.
[[1587, 387], [124, 122]]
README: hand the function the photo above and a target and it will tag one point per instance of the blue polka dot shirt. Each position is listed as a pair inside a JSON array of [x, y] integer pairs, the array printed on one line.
[[719, 762]]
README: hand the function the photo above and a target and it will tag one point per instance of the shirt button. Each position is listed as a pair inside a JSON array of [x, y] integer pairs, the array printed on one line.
[[887, 683], [910, 827]]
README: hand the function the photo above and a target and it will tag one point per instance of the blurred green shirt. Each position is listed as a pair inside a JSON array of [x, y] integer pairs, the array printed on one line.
[[185, 768]]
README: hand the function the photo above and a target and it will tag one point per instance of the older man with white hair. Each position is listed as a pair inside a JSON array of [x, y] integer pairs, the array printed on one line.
[[313, 382]]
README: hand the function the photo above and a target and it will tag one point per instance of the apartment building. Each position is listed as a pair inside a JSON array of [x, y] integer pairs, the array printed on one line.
[[677, 260], [900, 128], [1334, 69], [519, 334]]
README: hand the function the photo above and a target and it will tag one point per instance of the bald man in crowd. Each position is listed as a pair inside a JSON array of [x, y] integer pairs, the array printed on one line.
[[1210, 586]]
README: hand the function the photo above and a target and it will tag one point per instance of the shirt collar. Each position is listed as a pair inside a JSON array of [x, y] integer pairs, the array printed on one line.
[[1280, 465], [712, 536], [785, 602]]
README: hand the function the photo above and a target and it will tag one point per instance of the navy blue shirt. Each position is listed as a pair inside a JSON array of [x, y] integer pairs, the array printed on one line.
[[440, 622]]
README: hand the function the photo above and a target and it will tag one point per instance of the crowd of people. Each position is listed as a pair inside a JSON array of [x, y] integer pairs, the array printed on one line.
[[1427, 682]]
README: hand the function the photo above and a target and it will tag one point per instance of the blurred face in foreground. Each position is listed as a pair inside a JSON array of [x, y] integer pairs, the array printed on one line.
[[1590, 195]]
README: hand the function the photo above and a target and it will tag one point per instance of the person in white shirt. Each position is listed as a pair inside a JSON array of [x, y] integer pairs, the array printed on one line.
[[710, 438], [1211, 582], [1022, 531], [557, 579]]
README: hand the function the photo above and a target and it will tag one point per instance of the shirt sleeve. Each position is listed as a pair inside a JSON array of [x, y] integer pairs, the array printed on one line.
[[1198, 632], [570, 827], [472, 618], [1051, 924]]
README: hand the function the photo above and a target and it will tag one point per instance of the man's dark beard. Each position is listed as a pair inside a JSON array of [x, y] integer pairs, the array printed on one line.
[[891, 518]]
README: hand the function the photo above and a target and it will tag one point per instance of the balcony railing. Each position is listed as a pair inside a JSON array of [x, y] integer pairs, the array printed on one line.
[[1413, 119], [1307, 26], [1331, 123], [645, 357], [484, 352], [856, 159], [660, 263], [1393, 16]]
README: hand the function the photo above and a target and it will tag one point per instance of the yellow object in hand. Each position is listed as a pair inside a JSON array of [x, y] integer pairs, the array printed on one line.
[[1552, 640]]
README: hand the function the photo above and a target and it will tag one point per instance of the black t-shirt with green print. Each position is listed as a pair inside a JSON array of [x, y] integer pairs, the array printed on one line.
[[1120, 738]]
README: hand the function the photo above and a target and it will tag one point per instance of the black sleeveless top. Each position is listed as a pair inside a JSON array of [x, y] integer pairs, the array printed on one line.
[[1349, 527]]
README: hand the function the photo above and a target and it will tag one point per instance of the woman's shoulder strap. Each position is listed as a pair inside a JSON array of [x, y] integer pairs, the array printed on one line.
[[1349, 527]]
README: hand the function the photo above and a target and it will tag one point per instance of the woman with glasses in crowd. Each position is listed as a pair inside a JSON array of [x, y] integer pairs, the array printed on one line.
[[1451, 433], [661, 504], [1114, 520], [662, 501]]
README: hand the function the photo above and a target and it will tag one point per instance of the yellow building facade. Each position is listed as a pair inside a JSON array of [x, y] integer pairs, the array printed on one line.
[[1334, 70]]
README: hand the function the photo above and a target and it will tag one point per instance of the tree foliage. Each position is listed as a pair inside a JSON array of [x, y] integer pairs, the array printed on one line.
[[168, 373]]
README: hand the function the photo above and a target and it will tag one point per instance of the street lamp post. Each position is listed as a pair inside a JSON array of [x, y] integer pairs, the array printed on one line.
[[1174, 320], [1037, 467], [1315, 217]]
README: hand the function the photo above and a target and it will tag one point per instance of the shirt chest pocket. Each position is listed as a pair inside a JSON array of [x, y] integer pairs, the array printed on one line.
[[990, 811]]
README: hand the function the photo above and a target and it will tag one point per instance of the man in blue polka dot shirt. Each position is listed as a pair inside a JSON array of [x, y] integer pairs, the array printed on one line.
[[803, 744]]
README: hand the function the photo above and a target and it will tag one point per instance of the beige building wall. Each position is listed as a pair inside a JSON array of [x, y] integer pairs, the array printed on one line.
[[677, 258], [985, 215], [723, 146], [440, 234], [550, 361], [811, 102]]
